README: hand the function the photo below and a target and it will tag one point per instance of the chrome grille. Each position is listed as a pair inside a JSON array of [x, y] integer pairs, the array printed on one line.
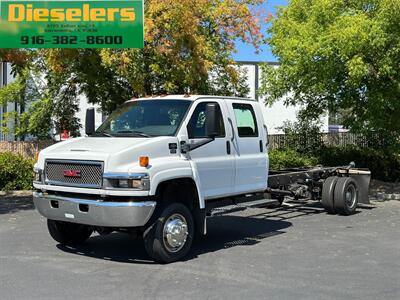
[[90, 173]]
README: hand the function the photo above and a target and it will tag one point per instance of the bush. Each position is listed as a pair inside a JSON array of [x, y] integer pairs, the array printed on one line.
[[304, 135], [16, 172], [383, 164], [288, 158]]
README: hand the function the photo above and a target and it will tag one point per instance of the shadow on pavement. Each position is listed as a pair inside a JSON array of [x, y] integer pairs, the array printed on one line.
[[290, 210], [231, 231], [9, 205], [224, 232], [117, 247]]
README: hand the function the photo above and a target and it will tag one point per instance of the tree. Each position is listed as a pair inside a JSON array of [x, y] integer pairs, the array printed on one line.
[[186, 41], [23, 91], [341, 56], [49, 105], [188, 49]]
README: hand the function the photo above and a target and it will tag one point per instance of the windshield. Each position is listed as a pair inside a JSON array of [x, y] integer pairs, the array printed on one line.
[[147, 118]]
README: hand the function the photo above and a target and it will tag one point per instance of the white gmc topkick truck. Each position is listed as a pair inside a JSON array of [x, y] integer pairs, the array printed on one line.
[[159, 167]]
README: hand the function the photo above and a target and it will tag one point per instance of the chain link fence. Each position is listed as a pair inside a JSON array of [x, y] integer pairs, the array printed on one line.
[[282, 141], [26, 149]]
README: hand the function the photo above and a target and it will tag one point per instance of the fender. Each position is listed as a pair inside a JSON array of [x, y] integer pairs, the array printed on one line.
[[178, 173]]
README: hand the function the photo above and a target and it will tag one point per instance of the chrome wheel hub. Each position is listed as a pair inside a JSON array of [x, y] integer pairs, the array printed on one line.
[[175, 233]]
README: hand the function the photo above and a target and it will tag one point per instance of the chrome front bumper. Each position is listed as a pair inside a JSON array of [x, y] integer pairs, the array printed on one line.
[[91, 212]]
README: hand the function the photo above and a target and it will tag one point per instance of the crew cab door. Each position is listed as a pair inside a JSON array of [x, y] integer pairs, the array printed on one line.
[[215, 161], [249, 146]]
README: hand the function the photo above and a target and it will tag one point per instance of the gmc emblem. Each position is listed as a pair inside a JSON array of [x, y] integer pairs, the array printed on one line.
[[72, 173]]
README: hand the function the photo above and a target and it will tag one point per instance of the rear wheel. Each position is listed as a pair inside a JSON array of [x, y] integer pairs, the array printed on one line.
[[69, 234], [170, 237], [346, 196], [328, 194]]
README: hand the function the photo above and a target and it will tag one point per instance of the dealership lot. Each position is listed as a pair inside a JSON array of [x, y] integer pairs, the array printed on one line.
[[295, 252]]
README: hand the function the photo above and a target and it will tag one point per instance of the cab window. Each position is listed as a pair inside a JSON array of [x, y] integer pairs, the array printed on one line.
[[197, 123], [245, 120], [149, 118]]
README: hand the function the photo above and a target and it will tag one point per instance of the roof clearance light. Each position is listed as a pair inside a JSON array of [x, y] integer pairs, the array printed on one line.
[[144, 161]]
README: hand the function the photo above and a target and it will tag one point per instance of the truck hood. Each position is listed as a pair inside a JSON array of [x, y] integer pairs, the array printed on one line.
[[116, 153], [99, 145]]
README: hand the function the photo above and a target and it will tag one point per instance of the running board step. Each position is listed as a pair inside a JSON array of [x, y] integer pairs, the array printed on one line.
[[218, 211]]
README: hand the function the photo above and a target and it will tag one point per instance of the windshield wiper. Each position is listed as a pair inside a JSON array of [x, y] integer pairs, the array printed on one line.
[[138, 133]]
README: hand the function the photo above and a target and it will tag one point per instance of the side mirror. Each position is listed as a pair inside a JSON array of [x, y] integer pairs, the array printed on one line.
[[212, 121], [89, 124]]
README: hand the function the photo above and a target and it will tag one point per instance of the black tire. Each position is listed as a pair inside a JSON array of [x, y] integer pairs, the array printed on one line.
[[155, 240], [328, 194], [69, 234], [346, 196]]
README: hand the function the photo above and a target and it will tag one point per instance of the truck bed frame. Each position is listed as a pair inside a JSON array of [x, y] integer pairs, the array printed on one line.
[[301, 183], [295, 183]]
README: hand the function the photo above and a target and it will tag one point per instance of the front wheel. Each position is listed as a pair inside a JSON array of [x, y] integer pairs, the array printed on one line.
[[69, 234], [170, 237]]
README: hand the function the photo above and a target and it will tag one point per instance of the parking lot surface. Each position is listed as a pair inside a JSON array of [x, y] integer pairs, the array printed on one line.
[[294, 252]]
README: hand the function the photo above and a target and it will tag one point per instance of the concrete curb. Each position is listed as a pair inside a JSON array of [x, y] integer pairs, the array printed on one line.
[[16, 194], [385, 197], [384, 191]]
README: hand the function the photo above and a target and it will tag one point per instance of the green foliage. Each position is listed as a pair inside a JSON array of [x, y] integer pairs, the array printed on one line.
[[16, 172], [65, 106], [383, 165], [188, 49], [51, 103], [304, 135], [37, 120], [341, 56], [289, 158], [12, 92]]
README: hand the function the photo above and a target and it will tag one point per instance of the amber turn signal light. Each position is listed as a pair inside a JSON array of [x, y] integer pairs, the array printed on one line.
[[144, 161]]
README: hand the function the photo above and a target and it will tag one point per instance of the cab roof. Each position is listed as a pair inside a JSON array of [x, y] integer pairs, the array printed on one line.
[[190, 98]]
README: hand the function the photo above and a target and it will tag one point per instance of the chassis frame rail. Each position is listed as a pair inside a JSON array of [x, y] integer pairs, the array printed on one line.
[[301, 183]]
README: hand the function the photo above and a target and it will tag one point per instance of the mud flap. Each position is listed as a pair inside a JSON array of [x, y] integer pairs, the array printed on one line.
[[363, 179], [200, 221]]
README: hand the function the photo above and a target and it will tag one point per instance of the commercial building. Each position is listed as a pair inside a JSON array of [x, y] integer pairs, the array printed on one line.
[[277, 114]]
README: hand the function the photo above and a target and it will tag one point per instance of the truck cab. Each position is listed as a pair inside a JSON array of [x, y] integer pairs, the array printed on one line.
[[154, 168]]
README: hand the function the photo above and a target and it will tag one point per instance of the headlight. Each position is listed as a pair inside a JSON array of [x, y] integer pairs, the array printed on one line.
[[137, 184], [123, 183], [140, 181], [130, 183]]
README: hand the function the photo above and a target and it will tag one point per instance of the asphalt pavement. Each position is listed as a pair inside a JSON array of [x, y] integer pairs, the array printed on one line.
[[294, 252]]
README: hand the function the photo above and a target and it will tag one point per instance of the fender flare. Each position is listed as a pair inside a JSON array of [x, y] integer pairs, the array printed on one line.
[[181, 173]]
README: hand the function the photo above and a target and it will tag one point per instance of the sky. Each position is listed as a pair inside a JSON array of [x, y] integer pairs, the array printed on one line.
[[247, 52]]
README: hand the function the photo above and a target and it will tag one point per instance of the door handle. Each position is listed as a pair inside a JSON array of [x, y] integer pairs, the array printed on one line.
[[228, 147], [261, 146]]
